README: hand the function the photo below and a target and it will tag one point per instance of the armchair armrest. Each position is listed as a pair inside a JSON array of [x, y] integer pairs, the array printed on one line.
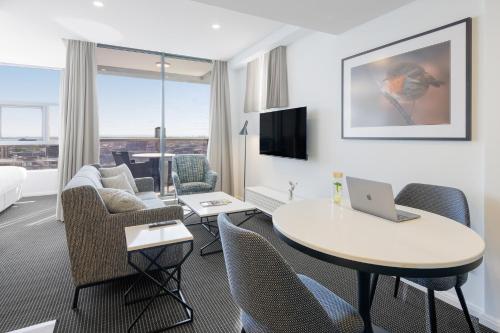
[[176, 180], [211, 178], [121, 220], [145, 184]]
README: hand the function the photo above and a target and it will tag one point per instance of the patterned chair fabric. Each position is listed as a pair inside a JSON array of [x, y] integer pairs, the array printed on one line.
[[445, 201], [191, 174], [272, 297]]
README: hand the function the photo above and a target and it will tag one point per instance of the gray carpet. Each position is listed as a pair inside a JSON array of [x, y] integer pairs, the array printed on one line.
[[36, 286]]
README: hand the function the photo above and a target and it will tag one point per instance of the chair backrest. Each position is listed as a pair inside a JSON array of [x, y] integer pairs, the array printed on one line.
[[121, 157], [190, 167], [264, 285], [445, 201]]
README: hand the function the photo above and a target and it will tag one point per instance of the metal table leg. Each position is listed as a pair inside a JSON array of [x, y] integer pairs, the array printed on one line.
[[364, 292], [162, 285], [217, 237]]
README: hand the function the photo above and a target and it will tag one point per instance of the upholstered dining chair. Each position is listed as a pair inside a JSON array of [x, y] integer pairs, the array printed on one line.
[[448, 202], [271, 296], [191, 174]]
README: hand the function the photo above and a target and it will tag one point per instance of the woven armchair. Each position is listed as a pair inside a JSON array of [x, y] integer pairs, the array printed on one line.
[[192, 174]]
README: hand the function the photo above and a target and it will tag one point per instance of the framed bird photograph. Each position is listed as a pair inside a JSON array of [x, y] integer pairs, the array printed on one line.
[[416, 88]]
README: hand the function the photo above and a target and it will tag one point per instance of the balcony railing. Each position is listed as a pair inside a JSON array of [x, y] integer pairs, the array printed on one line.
[[45, 156]]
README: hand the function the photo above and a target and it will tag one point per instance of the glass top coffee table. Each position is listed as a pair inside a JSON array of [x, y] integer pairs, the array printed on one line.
[[208, 205]]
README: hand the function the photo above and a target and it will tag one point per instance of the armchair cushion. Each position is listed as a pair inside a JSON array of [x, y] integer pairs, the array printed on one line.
[[118, 182], [115, 171], [120, 201], [195, 187]]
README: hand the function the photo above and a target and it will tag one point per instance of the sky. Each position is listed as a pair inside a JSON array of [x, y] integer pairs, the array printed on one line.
[[128, 107]]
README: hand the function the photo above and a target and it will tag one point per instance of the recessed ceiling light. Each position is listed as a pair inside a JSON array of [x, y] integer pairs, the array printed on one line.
[[166, 64], [216, 26], [98, 4]]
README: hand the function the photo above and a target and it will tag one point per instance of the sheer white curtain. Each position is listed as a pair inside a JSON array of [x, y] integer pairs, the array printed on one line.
[[79, 137], [219, 141]]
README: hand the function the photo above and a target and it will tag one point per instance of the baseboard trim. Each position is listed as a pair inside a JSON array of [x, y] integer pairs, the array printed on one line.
[[451, 298], [490, 322]]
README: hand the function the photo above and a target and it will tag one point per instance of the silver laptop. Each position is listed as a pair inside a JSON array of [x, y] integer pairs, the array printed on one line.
[[376, 198]]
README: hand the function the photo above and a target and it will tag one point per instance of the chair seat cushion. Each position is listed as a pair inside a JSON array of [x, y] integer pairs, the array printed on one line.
[[442, 283], [146, 195], [344, 317], [195, 187]]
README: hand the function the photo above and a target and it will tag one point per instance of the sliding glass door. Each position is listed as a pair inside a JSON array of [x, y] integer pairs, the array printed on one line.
[[139, 93]]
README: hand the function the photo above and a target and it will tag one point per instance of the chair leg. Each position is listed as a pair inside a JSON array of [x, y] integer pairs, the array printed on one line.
[[432, 310], [461, 298], [396, 286], [373, 287], [75, 298]]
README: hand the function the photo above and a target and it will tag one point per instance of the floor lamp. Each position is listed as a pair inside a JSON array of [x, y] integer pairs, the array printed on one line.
[[245, 133]]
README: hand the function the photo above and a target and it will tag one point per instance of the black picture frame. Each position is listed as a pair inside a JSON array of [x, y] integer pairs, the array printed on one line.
[[467, 135]]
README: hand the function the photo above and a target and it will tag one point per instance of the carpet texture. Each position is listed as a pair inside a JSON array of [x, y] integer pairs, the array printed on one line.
[[36, 286]]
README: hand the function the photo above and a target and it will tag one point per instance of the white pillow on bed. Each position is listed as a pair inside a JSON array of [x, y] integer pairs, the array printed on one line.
[[119, 201], [121, 169]]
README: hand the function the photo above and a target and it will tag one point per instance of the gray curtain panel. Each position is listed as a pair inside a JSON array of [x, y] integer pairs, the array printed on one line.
[[219, 141], [253, 86], [277, 79], [79, 137]]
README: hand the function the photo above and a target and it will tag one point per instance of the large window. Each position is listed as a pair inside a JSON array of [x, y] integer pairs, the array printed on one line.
[[29, 117], [130, 87]]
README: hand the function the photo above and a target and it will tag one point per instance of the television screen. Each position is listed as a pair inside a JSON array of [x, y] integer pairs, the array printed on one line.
[[283, 133]]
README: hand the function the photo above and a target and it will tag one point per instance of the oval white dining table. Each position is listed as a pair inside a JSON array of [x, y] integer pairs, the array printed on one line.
[[430, 246]]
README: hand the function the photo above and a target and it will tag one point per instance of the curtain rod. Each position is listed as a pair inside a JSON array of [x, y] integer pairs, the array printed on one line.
[[167, 55]]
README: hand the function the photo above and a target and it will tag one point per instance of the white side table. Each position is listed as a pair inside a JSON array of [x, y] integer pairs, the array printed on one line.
[[140, 240]]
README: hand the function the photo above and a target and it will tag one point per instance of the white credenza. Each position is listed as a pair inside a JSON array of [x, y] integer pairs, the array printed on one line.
[[266, 199]]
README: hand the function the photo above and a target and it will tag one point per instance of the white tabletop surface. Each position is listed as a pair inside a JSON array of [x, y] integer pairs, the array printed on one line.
[[142, 237], [431, 241], [193, 201], [152, 155]]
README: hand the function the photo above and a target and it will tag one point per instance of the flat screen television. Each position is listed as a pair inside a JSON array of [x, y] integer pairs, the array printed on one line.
[[284, 133]]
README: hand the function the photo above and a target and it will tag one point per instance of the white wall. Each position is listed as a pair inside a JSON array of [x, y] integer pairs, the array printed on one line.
[[314, 69], [40, 182]]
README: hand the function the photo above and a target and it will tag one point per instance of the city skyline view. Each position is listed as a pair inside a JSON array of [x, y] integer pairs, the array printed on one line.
[[128, 106]]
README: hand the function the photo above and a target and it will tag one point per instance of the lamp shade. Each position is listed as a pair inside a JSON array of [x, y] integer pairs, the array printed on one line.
[[244, 129]]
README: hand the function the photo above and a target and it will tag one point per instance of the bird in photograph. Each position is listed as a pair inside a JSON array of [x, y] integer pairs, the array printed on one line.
[[407, 82]]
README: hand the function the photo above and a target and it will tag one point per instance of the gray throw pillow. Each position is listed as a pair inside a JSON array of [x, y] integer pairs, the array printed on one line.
[[119, 201], [115, 171], [118, 182]]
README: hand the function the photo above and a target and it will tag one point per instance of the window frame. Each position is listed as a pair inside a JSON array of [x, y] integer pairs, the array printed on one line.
[[45, 124]]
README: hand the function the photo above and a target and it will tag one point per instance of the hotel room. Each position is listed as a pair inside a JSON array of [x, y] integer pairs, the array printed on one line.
[[278, 166]]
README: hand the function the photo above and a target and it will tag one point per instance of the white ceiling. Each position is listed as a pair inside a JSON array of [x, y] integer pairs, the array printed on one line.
[[31, 31], [332, 16]]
